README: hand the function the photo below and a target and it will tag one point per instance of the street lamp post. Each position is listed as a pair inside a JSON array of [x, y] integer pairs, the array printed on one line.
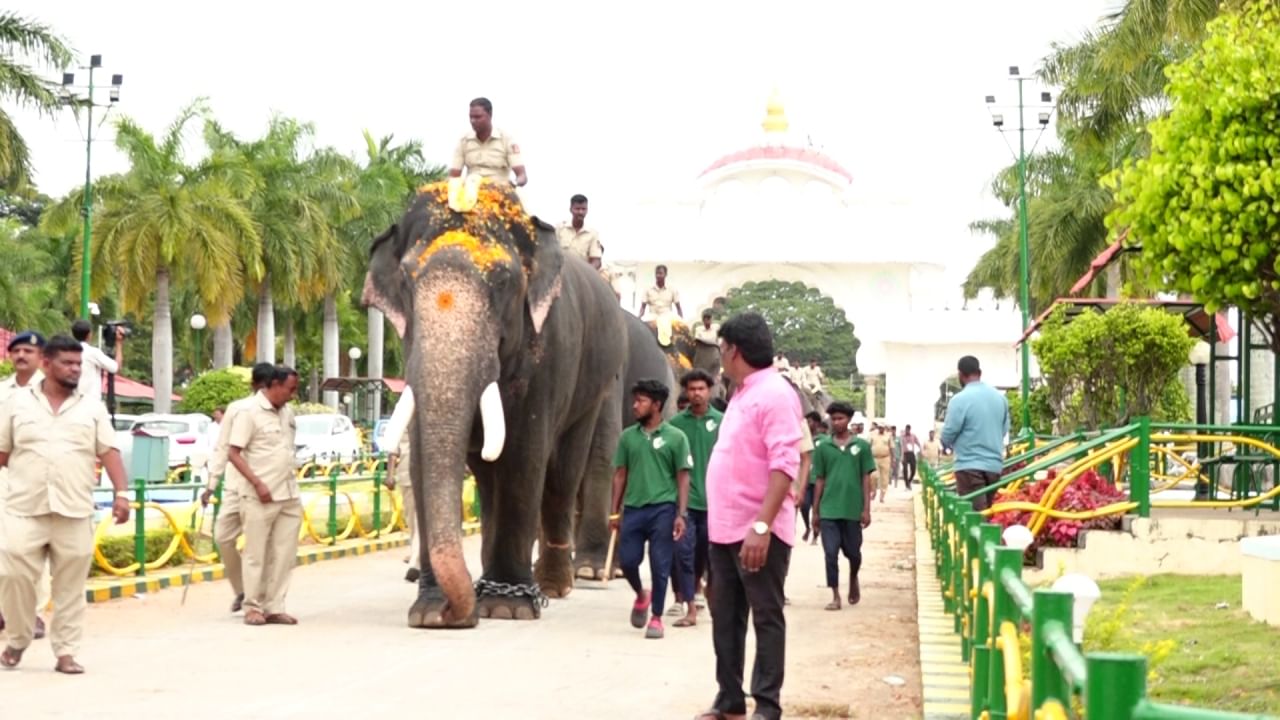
[[354, 353], [1200, 355], [1024, 272], [198, 323], [69, 98]]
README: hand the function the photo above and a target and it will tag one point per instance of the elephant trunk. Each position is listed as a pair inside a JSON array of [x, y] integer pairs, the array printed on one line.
[[453, 369]]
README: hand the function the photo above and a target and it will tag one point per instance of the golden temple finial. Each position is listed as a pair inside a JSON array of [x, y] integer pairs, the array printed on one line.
[[775, 117]]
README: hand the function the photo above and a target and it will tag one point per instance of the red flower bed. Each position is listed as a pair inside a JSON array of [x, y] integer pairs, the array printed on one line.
[[1087, 492]]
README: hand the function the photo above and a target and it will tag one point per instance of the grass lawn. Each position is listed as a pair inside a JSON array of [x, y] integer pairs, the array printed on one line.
[[1206, 657]]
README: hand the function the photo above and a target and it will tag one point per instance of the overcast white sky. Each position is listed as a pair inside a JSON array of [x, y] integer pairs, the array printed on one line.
[[611, 100]]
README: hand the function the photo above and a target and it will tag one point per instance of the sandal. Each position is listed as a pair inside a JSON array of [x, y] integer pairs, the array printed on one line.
[[67, 665], [281, 619], [254, 617], [11, 657], [684, 622]]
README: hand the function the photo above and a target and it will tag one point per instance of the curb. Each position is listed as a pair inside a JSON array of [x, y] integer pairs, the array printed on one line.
[[107, 589], [944, 675]]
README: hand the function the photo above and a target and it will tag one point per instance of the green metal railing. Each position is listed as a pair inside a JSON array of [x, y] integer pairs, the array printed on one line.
[[992, 606]]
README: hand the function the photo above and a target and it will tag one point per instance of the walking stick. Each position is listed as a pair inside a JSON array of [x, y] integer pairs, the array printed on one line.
[[608, 562], [192, 565]]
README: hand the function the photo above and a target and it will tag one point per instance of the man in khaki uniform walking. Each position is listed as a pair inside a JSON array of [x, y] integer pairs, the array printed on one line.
[[397, 437], [50, 434], [488, 151], [882, 451], [261, 450], [230, 523], [24, 353]]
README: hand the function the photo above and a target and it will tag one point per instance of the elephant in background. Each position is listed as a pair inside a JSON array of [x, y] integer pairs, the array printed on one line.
[[515, 354], [685, 353], [808, 401]]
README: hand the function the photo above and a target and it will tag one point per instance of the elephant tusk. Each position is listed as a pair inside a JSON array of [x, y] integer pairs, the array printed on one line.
[[494, 422]]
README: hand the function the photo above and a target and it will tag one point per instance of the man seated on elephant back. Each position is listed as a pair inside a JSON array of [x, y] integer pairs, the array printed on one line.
[[659, 300], [488, 151], [651, 477], [576, 238]]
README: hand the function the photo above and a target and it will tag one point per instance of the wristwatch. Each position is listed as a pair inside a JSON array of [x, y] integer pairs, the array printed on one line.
[[760, 527]]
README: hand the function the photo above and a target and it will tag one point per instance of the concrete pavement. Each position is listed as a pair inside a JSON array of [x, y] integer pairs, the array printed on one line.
[[353, 655]]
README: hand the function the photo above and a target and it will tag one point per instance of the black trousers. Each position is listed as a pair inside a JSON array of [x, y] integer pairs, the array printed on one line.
[[735, 594], [841, 536], [968, 481], [909, 468], [806, 506]]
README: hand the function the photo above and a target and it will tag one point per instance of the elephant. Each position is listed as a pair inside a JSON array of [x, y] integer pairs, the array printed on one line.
[[808, 401], [645, 360], [685, 353], [515, 354]]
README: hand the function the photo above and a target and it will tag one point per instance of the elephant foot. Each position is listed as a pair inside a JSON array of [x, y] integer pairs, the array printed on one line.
[[554, 573], [504, 601], [592, 568], [431, 610]]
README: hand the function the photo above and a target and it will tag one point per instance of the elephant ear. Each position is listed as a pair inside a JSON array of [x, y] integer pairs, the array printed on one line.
[[543, 262], [385, 286]]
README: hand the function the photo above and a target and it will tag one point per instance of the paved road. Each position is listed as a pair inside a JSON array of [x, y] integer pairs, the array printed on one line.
[[352, 656]]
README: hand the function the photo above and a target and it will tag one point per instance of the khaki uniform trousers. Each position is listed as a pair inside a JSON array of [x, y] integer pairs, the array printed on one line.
[[44, 588], [404, 483], [270, 551], [884, 471], [227, 530], [26, 544]]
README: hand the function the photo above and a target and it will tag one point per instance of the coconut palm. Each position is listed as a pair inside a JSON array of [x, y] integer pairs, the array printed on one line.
[[23, 39], [165, 222]]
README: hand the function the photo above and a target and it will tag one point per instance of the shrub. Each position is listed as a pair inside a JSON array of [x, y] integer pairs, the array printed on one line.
[[118, 549], [1087, 492], [6, 369], [214, 389], [310, 408]]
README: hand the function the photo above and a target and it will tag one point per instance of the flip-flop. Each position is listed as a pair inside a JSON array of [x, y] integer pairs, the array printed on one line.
[[255, 617], [832, 606], [684, 622], [281, 619], [11, 657], [71, 668]]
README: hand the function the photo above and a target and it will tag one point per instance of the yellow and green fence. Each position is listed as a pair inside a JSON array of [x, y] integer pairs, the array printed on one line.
[[341, 501], [995, 611]]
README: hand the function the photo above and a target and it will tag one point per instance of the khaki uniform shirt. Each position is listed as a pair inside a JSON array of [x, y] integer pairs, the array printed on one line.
[[218, 463], [881, 444], [932, 451], [661, 299], [265, 438], [51, 455], [584, 243], [8, 387], [707, 335], [493, 158]]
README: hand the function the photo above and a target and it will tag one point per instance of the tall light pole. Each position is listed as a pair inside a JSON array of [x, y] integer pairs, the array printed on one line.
[[198, 323], [70, 98], [1024, 274]]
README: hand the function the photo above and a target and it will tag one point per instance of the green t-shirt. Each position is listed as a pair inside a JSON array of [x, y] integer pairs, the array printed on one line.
[[702, 433], [818, 441], [842, 470], [652, 461]]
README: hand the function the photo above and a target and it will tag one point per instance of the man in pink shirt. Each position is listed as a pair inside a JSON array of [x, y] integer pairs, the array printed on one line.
[[751, 519]]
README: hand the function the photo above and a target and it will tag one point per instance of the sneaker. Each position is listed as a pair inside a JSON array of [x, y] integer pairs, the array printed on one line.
[[654, 631], [676, 609], [640, 611]]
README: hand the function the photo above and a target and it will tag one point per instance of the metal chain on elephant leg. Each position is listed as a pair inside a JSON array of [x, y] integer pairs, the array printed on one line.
[[490, 588]]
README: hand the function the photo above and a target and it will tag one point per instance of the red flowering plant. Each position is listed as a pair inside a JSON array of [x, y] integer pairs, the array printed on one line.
[[1089, 491]]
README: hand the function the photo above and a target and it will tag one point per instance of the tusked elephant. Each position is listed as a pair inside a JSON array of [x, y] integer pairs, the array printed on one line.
[[515, 355]]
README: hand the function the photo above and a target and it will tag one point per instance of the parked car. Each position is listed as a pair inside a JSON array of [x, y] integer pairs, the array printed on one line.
[[188, 437], [326, 438]]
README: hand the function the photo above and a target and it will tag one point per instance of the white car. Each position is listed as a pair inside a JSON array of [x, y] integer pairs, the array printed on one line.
[[189, 440], [325, 438]]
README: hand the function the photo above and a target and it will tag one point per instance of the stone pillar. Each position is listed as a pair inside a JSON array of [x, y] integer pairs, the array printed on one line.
[[870, 392], [1262, 379], [1222, 390]]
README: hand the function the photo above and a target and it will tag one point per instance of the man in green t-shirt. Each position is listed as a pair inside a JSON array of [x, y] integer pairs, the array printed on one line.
[[818, 429], [700, 423], [842, 494], [651, 478]]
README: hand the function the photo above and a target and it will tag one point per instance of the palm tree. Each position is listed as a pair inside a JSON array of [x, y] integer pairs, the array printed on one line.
[[29, 291], [163, 223], [24, 38]]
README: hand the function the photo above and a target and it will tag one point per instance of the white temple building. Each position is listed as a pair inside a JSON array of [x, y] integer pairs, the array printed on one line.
[[782, 210]]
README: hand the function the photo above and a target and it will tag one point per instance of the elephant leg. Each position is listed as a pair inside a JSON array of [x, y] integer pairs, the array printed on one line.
[[592, 541], [560, 495], [428, 608], [510, 507]]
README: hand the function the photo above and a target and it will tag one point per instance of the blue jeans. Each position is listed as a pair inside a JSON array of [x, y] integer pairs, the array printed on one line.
[[652, 524], [841, 536], [691, 556]]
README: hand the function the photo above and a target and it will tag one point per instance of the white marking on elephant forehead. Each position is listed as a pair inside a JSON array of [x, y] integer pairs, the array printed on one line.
[[539, 309]]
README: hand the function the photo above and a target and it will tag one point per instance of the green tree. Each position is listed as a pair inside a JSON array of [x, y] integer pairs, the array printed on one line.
[[1103, 368], [1205, 205], [805, 323], [214, 389], [24, 39]]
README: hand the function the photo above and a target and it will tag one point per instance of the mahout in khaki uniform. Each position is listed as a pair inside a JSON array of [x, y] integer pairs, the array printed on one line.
[[488, 151], [50, 435], [576, 238], [261, 450]]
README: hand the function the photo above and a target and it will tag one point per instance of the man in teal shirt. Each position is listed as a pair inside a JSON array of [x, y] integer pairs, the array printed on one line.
[[842, 493], [701, 425], [651, 477], [976, 426]]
